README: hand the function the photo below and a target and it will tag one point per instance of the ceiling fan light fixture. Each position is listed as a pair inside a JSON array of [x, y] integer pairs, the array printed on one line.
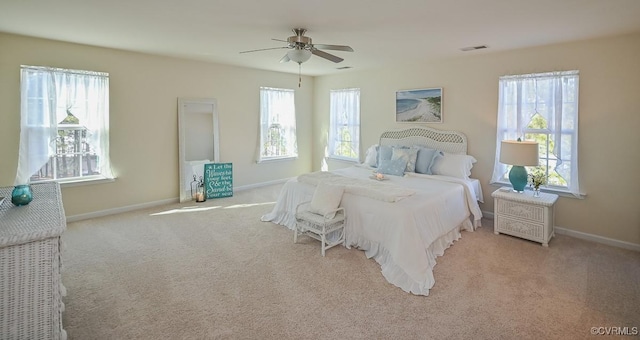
[[299, 55]]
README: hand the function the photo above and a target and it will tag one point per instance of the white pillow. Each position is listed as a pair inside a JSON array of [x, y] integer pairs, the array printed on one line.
[[371, 158], [453, 165], [326, 198]]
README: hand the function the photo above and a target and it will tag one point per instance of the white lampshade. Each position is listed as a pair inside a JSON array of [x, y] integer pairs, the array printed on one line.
[[523, 153], [299, 55]]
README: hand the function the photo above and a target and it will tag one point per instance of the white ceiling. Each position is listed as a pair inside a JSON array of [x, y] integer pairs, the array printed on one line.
[[381, 32]]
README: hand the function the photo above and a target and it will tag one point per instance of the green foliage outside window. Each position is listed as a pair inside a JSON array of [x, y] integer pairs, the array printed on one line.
[[538, 132], [345, 145]]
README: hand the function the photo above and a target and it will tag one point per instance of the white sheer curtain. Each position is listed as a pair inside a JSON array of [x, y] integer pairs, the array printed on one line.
[[277, 109], [553, 96], [344, 113], [48, 94]]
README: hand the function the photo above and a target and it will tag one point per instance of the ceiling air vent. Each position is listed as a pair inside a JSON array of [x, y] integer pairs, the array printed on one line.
[[473, 48]]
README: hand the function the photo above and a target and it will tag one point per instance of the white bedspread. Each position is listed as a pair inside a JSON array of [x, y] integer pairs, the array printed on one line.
[[405, 236], [378, 190]]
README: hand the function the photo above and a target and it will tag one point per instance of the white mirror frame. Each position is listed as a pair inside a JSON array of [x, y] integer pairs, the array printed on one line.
[[205, 105]]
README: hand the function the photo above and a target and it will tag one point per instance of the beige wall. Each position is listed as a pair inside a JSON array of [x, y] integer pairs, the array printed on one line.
[[608, 124], [144, 120], [144, 133]]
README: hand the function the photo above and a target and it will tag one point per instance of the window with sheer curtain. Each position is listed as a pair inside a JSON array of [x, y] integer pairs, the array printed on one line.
[[344, 124], [64, 125], [542, 107], [277, 124]]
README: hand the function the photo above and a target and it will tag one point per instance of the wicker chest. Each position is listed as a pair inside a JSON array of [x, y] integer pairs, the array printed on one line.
[[30, 282], [525, 216]]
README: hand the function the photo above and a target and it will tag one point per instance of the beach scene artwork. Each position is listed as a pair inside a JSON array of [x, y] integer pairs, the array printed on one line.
[[419, 106]]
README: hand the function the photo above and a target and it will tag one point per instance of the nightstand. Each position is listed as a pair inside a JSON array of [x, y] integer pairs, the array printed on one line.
[[524, 216]]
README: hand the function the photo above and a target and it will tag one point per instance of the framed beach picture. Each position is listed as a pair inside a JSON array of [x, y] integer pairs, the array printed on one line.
[[419, 106]]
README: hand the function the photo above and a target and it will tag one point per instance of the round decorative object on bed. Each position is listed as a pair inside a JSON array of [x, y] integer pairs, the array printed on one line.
[[379, 177]]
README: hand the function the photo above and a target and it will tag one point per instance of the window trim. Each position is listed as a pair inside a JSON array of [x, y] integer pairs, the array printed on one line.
[[550, 189], [32, 115], [513, 121], [293, 154]]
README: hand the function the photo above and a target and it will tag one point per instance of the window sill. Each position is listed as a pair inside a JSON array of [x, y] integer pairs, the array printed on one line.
[[559, 192], [80, 181], [276, 159], [343, 159]]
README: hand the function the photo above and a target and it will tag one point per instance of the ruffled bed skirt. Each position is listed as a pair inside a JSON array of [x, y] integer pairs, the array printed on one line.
[[394, 273]]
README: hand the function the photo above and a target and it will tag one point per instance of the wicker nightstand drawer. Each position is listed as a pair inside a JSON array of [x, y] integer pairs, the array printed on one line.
[[520, 210], [525, 216], [520, 228]]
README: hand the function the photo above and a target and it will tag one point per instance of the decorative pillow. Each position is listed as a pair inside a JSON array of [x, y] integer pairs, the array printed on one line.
[[326, 198], [408, 155], [394, 167], [426, 158], [453, 165], [384, 153], [371, 158]]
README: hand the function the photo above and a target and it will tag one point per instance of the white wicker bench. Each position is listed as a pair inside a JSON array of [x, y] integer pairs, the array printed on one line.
[[30, 281], [320, 227]]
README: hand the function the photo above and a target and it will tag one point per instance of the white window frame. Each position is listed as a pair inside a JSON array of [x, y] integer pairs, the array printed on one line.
[[48, 96], [554, 96], [277, 112], [344, 116]]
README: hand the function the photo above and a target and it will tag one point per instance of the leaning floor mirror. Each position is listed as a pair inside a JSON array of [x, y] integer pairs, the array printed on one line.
[[198, 140]]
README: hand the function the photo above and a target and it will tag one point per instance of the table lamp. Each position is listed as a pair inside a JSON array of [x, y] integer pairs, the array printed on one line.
[[518, 154]]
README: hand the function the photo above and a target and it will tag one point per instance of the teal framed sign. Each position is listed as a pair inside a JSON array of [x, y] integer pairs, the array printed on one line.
[[218, 180]]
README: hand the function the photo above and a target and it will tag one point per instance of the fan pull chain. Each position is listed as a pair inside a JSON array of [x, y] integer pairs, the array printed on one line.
[[299, 74]]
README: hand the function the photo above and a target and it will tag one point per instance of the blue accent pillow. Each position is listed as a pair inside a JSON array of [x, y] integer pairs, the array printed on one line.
[[425, 160], [409, 155], [394, 167], [384, 154]]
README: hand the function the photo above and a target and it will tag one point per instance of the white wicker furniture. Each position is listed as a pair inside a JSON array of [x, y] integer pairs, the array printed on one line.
[[319, 227], [449, 141], [525, 216], [30, 284]]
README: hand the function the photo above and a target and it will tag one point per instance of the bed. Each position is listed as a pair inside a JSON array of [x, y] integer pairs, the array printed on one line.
[[406, 220]]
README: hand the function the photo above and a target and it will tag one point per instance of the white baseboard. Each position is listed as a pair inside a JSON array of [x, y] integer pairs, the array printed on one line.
[[597, 238], [585, 236], [487, 214], [119, 210]]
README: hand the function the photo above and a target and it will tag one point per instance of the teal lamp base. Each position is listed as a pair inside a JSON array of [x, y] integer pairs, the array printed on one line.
[[518, 177]]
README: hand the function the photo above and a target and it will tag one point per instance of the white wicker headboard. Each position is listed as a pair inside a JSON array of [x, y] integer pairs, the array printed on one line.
[[449, 141]]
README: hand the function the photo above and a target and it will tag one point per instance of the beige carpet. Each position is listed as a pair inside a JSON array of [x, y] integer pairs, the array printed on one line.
[[214, 271]]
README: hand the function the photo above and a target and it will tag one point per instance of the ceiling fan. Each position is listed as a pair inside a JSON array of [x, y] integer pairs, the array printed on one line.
[[301, 48]]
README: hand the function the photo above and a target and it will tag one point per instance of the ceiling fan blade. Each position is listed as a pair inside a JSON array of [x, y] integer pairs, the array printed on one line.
[[279, 40], [333, 47], [285, 58], [326, 55], [265, 49]]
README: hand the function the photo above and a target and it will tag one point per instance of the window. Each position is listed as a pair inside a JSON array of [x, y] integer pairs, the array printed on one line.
[[542, 107], [344, 124], [277, 124], [64, 125]]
